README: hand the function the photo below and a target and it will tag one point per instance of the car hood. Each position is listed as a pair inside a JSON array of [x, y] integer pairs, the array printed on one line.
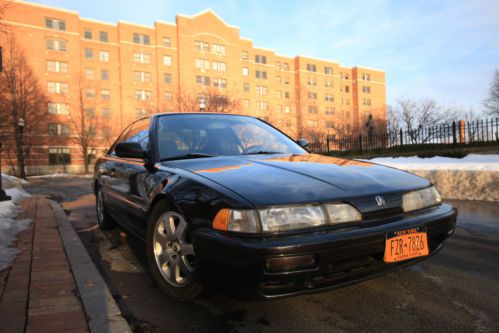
[[267, 180]]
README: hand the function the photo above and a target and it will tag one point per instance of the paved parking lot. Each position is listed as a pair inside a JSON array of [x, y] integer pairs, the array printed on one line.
[[455, 290]]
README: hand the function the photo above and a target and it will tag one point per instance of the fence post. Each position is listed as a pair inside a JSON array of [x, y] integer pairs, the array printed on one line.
[[462, 138], [401, 138], [327, 142], [454, 139], [360, 143]]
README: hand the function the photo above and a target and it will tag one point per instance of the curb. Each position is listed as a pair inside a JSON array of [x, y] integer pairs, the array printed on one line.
[[102, 311]]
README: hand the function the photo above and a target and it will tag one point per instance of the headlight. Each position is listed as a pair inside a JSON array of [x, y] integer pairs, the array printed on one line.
[[293, 217], [284, 218], [420, 199]]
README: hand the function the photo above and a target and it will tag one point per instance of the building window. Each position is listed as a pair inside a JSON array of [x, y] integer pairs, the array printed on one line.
[[329, 98], [106, 113], [311, 68], [246, 103], [168, 96], [278, 65], [278, 79], [262, 106], [366, 77], [143, 95], [286, 80], [347, 88], [142, 76], [90, 93], [56, 44], [142, 58], [279, 108], [245, 71], [202, 63], [59, 156], [167, 60], [90, 111], [141, 39], [285, 66], [286, 94], [366, 89], [312, 109], [141, 112], [246, 87], [261, 90], [58, 108], [167, 42], [104, 74], [204, 80], [260, 59], [218, 49], [366, 101], [313, 123], [328, 70], [60, 88], [219, 66], [201, 46], [58, 130], [261, 75], [287, 109], [87, 34], [89, 53], [57, 66], [329, 124], [312, 81], [220, 83], [167, 78], [244, 55], [104, 56], [278, 94], [103, 36], [105, 95], [329, 111], [328, 83], [312, 95], [89, 74], [55, 24]]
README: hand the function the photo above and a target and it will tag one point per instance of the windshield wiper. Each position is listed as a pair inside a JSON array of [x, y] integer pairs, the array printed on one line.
[[186, 156], [263, 152]]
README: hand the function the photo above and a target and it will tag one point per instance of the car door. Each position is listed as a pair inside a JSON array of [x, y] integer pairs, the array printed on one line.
[[125, 188]]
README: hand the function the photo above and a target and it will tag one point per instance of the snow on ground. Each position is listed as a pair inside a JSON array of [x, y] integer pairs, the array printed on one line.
[[473, 162], [474, 177], [9, 226]]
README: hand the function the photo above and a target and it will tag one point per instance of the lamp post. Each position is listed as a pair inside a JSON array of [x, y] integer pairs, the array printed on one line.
[[20, 153], [3, 195], [202, 104]]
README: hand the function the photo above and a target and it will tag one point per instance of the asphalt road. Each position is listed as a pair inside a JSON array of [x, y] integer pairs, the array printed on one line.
[[454, 291]]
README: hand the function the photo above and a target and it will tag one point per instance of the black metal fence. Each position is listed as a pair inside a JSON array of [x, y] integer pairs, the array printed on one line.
[[457, 133]]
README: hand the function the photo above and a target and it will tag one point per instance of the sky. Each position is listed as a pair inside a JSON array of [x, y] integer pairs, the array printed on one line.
[[447, 50]]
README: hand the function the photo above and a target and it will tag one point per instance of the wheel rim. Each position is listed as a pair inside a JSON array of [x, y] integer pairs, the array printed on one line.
[[173, 249], [100, 208]]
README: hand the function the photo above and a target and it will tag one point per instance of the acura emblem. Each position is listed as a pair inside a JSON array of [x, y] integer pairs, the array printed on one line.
[[380, 200]]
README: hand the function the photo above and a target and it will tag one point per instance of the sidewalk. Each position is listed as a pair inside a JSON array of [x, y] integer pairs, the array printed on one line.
[[53, 285]]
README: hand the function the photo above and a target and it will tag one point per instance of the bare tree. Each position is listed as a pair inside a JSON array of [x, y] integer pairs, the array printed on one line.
[[85, 122], [20, 97], [492, 102], [4, 4], [216, 100]]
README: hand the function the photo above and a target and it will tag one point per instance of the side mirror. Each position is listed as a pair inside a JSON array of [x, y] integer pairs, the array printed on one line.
[[303, 143], [129, 150]]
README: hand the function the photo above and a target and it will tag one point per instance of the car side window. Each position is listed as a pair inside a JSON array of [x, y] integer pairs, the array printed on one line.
[[136, 132], [139, 132]]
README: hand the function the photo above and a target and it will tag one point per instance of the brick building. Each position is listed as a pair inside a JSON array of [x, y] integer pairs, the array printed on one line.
[[126, 70]]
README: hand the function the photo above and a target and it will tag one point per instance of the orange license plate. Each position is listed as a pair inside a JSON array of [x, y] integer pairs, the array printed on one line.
[[406, 244]]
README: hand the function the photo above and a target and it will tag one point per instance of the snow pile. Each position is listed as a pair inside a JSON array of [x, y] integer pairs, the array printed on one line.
[[474, 177], [9, 226], [473, 162]]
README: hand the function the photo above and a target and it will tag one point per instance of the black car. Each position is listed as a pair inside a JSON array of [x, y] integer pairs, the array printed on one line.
[[230, 200]]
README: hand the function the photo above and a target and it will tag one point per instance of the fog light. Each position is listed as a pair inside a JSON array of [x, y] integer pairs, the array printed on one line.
[[289, 264]]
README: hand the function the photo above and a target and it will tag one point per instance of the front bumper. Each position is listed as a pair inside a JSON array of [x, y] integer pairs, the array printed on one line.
[[343, 256]]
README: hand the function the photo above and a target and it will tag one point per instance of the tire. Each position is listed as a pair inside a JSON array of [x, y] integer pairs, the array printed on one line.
[[103, 219], [170, 254]]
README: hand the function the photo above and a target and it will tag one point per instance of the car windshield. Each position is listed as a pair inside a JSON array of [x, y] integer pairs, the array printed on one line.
[[205, 135]]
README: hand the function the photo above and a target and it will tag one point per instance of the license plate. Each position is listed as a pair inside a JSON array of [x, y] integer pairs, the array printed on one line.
[[406, 244]]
